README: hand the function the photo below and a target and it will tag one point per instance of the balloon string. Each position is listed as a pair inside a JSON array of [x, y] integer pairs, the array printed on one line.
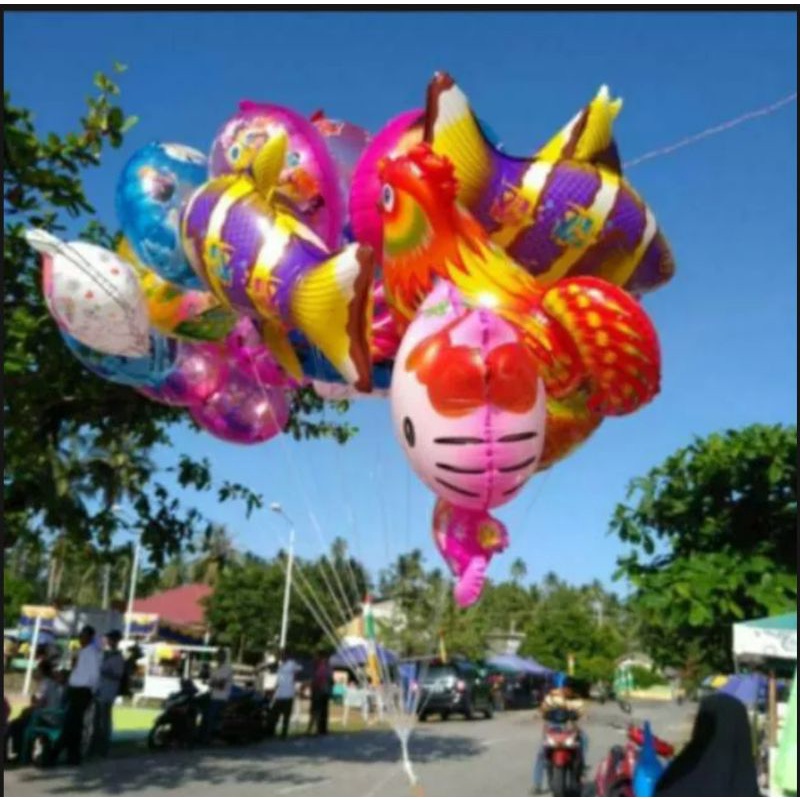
[[713, 131]]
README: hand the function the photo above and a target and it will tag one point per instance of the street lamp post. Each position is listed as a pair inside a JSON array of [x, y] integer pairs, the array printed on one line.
[[278, 509], [134, 577], [132, 592]]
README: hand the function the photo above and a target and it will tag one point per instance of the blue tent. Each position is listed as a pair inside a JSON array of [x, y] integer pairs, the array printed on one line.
[[514, 663], [346, 657], [749, 689]]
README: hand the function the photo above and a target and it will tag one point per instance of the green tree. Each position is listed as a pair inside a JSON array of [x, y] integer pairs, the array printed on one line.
[[519, 570], [564, 623], [713, 537], [76, 445], [245, 608], [217, 554]]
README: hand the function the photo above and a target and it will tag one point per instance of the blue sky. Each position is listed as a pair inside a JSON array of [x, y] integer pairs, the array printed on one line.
[[728, 321]]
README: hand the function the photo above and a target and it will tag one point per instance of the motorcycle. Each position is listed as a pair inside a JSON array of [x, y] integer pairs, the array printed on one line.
[[563, 753], [179, 722], [617, 772], [245, 718]]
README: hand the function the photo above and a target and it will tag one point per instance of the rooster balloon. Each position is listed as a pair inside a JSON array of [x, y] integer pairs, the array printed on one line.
[[493, 299]]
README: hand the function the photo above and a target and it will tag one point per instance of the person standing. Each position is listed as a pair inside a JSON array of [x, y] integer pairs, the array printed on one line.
[[111, 671], [321, 686], [283, 699], [81, 686], [718, 760], [221, 684]]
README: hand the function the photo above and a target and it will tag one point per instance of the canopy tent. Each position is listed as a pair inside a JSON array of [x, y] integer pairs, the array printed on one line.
[[347, 657], [767, 639], [517, 664], [785, 777], [749, 689]]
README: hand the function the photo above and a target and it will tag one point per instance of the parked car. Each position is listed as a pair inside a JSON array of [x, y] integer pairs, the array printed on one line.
[[454, 687]]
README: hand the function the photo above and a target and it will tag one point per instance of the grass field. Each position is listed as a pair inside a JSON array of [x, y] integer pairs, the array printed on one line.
[[131, 725]]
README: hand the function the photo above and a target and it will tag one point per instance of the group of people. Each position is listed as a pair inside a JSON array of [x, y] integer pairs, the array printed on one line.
[[283, 699], [717, 761], [221, 687], [63, 697]]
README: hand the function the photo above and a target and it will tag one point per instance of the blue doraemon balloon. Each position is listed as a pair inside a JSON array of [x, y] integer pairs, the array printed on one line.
[[153, 186], [148, 371]]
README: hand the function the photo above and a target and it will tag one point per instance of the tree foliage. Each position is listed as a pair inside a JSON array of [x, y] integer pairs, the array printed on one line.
[[245, 609], [553, 619], [713, 536], [76, 445]]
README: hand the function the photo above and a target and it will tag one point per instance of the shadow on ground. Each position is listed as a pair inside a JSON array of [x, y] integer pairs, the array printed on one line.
[[300, 761]]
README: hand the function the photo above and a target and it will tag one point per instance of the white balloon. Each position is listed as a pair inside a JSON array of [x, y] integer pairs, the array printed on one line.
[[342, 391], [93, 295]]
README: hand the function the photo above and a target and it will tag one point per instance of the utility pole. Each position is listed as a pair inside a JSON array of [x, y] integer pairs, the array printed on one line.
[[287, 589]]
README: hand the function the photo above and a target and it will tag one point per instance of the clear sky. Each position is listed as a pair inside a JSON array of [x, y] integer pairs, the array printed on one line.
[[728, 320]]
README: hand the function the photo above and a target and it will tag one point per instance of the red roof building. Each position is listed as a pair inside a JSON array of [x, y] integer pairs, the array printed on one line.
[[179, 608]]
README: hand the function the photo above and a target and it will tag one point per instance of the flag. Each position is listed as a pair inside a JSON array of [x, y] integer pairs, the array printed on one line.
[[368, 628]]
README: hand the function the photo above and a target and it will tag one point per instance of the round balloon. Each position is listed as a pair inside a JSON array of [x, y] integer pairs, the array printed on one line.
[[309, 178], [253, 358], [151, 190], [346, 143], [144, 371], [199, 371], [467, 402], [242, 412], [93, 295]]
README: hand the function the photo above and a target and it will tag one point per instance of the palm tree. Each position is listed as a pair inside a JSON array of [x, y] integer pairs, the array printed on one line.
[[519, 570], [218, 553]]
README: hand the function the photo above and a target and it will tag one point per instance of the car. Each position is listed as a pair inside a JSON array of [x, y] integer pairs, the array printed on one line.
[[454, 687]]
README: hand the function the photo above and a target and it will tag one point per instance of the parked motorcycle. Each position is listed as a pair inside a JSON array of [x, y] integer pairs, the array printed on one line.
[[245, 718], [179, 722], [617, 772], [563, 753]]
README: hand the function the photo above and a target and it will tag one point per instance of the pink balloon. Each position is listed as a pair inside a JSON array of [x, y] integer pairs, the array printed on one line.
[[467, 540], [467, 402], [365, 190], [243, 412], [251, 356], [200, 370], [345, 143]]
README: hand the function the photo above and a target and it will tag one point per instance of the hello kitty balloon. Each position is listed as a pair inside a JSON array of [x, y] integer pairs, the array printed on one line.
[[467, 402], [469, 410]]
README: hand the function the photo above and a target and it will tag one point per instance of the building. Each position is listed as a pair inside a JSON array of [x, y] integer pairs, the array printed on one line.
[[181, 612]]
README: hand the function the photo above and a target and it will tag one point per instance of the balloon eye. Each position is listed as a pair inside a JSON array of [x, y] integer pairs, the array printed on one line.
[[293, 159], [234, 153], [408, 432], [387, 197]]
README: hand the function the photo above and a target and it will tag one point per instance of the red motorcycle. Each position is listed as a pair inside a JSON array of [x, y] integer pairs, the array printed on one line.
[[563, 753], [614, 776]]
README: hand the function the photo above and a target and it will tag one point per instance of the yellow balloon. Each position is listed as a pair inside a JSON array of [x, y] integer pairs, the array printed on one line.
[[181, 313]]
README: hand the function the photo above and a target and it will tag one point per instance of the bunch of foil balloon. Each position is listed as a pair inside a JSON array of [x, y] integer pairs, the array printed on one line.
[[496, 300]]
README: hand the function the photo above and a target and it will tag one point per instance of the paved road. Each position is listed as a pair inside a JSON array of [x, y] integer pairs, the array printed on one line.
[[452, 759]]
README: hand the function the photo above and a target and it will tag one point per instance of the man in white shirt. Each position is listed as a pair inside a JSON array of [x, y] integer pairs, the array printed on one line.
[[283, 699], [81, 686], [112, 669], [221, 684]]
